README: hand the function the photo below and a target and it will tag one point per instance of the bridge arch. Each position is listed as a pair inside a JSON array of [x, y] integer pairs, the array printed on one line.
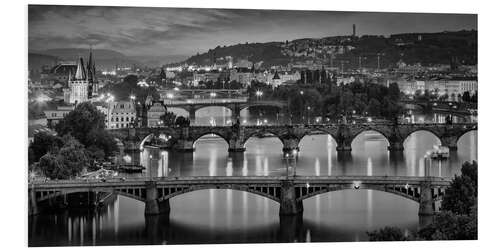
[[425, 130], [316, 132], [272, 192], [466, 131], [133, 193], [217, 134], [371, 129], [411, 193], [258, 133]]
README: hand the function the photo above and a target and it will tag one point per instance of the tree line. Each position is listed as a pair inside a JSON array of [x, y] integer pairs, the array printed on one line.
[[81, 142], [457, 219]]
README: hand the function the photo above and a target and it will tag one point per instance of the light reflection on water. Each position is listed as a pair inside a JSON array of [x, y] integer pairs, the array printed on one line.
[[217, 216]]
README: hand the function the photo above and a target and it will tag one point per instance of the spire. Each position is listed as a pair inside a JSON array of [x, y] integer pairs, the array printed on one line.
[[80, 71], [276, 76], [91, 67]]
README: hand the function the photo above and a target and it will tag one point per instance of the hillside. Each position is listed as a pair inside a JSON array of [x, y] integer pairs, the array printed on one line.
[[105, 59], [36, 61], [424, 48]]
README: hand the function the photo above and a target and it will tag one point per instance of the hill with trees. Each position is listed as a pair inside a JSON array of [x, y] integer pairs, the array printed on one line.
[[425, 48]]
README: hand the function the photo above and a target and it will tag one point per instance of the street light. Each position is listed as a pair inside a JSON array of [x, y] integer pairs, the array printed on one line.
[[308, 115], [150, 167], [259, 94]]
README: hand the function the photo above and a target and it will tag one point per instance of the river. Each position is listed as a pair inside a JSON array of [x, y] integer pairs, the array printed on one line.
[[229, 216]]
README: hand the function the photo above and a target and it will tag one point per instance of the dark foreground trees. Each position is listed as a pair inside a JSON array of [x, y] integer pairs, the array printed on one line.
[[67, 162], [387, 234], [86, 124], [80, 142], [458, 218]]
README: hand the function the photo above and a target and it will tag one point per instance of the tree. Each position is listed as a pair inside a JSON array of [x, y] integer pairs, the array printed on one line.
[[182, 121], [79, 122], [461, 196], [450, 226], [51, 166], [43, 143], [393, 92], [101, 139], [387, 234], [86, 124], [390, 109], [73, 156], [466, 97], [168, 118], [70, 161], [373, 107]]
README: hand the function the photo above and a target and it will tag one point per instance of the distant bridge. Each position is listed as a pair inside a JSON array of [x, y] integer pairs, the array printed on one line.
[[183, 138], [234, 104], [288, 192]]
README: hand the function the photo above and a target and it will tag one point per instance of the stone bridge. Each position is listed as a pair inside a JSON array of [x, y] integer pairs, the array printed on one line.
[[288, 192], [183, 138], [235, 106]]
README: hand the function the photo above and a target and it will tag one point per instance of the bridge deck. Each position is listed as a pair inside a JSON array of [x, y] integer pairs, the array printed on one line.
[[251, 180]]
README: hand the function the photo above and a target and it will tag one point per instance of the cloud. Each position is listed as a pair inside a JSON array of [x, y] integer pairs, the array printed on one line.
[[153, 31]]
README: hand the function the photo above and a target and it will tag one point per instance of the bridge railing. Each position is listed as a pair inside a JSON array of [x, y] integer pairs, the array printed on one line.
[[298, 179]]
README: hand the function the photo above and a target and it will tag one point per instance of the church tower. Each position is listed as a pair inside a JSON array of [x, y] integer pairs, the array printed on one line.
[[79, 84], [91, 76]]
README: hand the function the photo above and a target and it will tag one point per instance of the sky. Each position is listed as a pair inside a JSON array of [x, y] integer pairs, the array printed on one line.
[[139, 31]]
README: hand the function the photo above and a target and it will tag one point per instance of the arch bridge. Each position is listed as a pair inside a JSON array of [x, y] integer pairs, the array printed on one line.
[[236, 105], [289, 193], [183, 138]]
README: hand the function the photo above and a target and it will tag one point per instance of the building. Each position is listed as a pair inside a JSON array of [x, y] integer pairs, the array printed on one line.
[[83, 84], [154, 114], [58, 73], [211, 76], [78, 85], [241, 75], [122, 114], [54, 116]]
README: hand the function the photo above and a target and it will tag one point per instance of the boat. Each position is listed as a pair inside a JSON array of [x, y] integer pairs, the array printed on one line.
[[440, 152], [131, 168]]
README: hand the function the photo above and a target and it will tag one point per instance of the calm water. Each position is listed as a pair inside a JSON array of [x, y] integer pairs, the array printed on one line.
[[227, 216]]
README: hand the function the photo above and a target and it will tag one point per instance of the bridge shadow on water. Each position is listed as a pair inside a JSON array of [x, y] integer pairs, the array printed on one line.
[[86, 228]]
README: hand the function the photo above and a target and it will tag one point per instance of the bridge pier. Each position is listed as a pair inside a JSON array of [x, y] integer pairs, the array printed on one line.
[[32, 204], [344, 145], [192, 115], [291, 229], [153, 205], [396, 146], [290, 144], [289, 205], [236, 145], [426, 202], [184, 145], [450, 142]]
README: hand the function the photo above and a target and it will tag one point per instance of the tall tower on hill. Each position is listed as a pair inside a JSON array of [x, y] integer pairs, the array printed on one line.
[[354, 30]]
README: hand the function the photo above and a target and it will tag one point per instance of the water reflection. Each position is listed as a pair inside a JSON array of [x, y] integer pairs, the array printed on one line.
[[228, 216]]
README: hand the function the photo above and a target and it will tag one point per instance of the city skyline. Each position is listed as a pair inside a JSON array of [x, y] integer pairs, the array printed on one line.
[[142, 31]]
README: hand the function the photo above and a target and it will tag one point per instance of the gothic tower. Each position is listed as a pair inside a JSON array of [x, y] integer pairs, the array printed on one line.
[[78, 84], [91, 73]]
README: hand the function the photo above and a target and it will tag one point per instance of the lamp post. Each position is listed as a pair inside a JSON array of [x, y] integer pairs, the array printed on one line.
[[259, 94], [308, 114], [291, 156], [150, 167]]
